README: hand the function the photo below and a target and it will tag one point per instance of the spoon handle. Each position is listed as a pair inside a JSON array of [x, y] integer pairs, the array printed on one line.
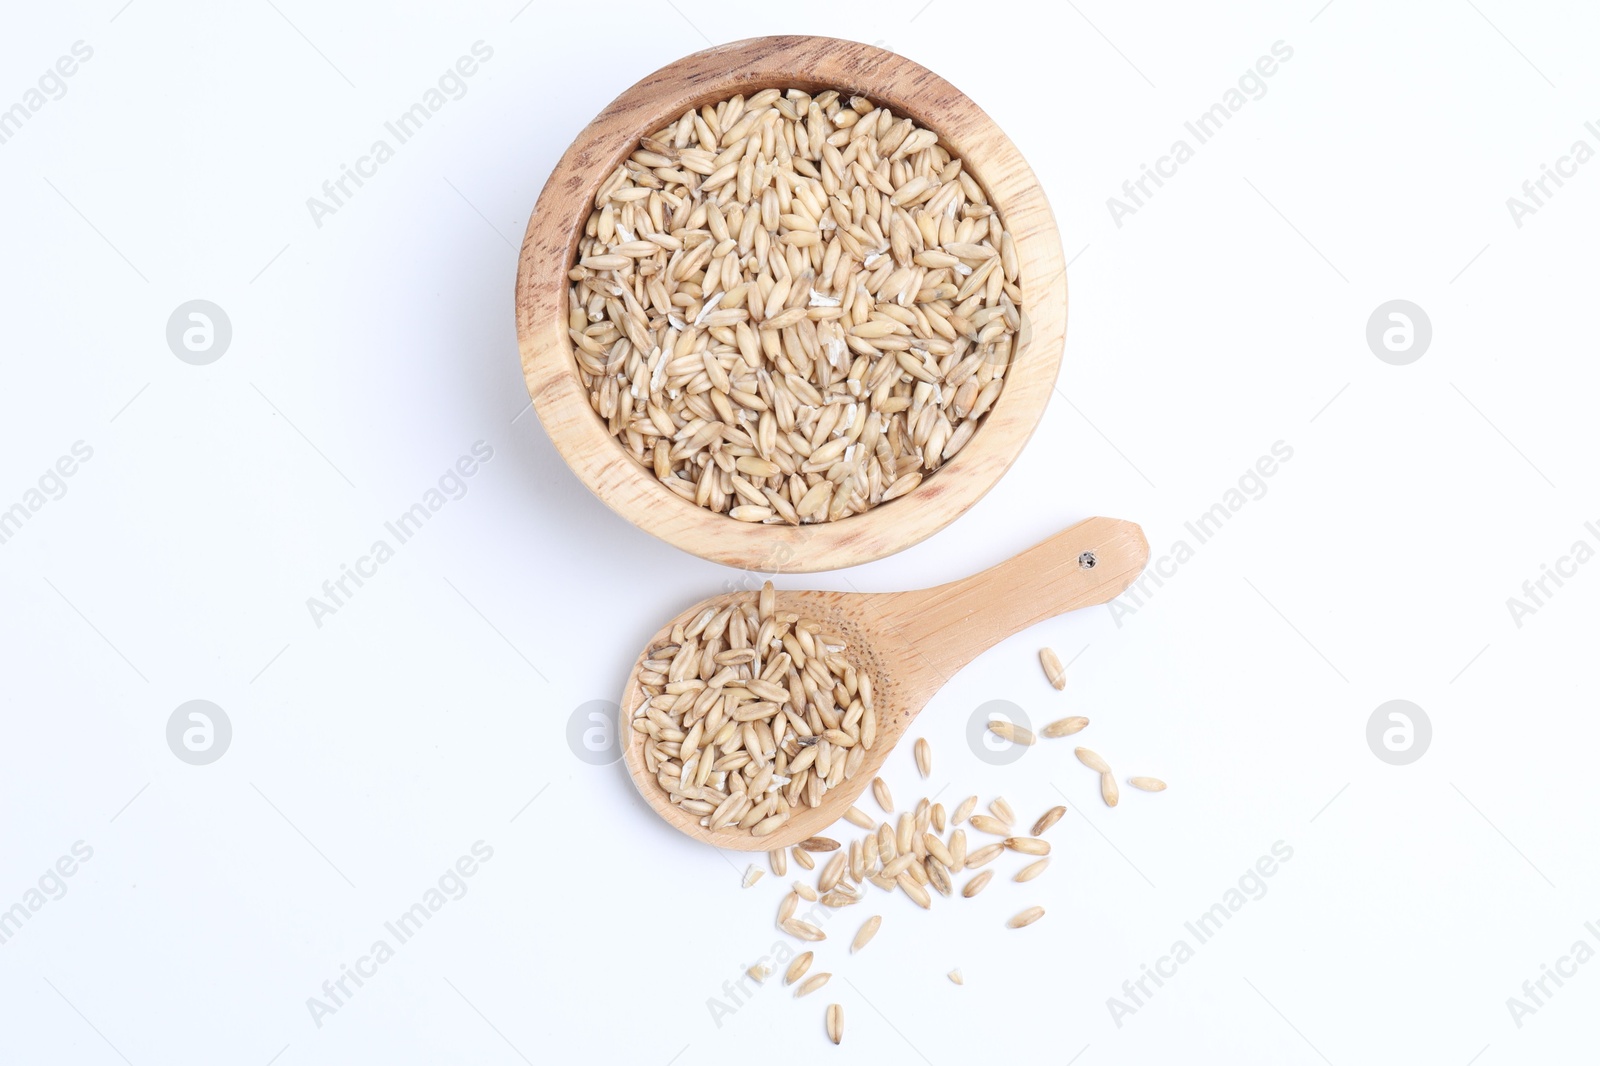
[[950, 625]]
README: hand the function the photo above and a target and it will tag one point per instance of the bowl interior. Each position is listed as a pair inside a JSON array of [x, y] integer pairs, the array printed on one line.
[[813, 64]]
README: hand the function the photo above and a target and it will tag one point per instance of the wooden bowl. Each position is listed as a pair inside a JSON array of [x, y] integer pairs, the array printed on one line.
[[812, 64]]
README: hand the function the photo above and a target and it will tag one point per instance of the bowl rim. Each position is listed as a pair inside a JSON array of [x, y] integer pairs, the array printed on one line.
[[812, 64]]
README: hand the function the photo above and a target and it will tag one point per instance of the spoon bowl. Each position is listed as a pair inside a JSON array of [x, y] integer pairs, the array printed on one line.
[[910, 644]]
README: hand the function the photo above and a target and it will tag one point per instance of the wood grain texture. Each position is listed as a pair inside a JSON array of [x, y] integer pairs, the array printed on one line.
[[911, 643], [813, 64]]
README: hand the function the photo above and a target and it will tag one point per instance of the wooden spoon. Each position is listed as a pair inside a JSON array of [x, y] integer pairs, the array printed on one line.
[[911, 643]]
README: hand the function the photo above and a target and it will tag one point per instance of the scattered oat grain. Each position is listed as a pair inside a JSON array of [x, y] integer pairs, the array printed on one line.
[[1093, 761], [1048, 819], [1064, 727], [1027, 917], [1028, 845], [868, 930], [1011, 731], [804, 930], [984, 855], [1052, 667], [811, 984], [993, 826]]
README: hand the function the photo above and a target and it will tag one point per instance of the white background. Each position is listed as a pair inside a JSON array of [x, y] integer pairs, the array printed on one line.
[[369, 353]]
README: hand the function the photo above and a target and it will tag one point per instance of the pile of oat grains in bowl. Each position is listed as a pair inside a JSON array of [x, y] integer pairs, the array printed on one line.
[[793, 308], [750, 712]]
